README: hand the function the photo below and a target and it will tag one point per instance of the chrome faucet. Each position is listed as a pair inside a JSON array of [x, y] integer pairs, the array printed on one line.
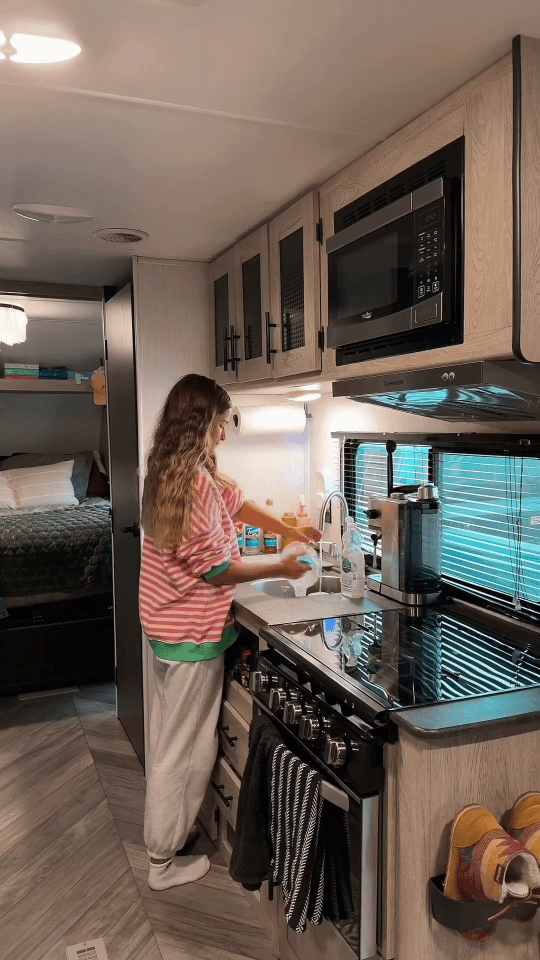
[[327, 549], [329, 497]]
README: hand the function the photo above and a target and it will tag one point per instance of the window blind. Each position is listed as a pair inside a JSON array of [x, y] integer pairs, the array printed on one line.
[[490, 522], [491, 525]]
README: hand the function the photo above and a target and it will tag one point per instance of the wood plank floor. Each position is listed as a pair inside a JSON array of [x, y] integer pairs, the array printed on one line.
[[73, 866]]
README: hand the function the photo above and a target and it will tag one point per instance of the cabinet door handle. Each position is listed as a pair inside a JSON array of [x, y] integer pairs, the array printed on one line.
[[230, 740], [219, 788], [234, 336], [269, 326], [226, 360]]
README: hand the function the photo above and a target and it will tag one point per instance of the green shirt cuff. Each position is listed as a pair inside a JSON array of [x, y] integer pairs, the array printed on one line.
[[188, 651], [215, 571]]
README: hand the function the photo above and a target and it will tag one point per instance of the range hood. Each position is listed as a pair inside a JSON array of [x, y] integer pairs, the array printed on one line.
[[483, 390]]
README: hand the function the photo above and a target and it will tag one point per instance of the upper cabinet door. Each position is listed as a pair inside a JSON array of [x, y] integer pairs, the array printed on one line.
[[253, 306], [224, 361], [295, 304]]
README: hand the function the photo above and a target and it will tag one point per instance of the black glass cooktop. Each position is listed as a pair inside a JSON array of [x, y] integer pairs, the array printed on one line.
[[403, 660]]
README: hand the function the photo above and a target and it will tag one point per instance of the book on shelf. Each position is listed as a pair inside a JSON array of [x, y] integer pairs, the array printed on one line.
[[12, 365], [21, 376]]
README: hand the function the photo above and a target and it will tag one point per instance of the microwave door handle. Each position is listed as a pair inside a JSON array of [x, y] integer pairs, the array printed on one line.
[[381, 218]]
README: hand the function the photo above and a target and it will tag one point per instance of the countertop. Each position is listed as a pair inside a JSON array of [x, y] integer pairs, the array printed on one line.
[[254, 610]]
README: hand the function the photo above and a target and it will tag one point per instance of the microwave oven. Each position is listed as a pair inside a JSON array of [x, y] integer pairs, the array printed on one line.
[[395, 263]]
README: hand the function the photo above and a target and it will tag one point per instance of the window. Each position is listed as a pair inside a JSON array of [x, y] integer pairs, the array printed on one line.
[[491, 525], [490, 519]]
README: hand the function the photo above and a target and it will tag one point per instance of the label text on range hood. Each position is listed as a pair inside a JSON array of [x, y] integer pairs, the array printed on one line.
[[393, 383]]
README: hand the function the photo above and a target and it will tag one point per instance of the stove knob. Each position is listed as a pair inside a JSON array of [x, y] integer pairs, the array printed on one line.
[[310, 728], [277, 698], [259, 681], [335, 752], [292, 713]]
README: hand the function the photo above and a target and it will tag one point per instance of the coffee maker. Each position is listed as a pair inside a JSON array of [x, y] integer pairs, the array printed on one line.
[[408, 524]]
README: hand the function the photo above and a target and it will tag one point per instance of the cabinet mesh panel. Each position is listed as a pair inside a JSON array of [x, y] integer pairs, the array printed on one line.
[[251, 292], [291, 250]]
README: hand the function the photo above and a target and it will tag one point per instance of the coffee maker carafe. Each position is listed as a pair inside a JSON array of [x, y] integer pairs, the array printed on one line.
[[408, 526]]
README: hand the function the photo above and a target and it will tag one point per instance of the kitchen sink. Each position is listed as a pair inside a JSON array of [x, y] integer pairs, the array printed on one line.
[[279, 587]]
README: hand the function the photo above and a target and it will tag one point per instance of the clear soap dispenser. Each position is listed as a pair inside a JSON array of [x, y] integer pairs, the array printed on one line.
[[352, 562]]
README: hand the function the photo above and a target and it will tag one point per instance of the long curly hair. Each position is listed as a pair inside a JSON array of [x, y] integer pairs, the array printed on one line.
[[179, 450]]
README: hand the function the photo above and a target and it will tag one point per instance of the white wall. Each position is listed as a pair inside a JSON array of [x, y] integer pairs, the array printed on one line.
[[59, 333], [268, 467], [283, 467], [53, 423]]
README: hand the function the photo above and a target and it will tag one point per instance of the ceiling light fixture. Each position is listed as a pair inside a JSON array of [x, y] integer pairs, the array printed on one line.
[[13, 322], [51, 213], [26, 48], [304, 397]]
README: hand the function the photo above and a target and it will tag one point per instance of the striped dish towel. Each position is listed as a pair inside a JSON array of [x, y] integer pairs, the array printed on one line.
[[310, 844]]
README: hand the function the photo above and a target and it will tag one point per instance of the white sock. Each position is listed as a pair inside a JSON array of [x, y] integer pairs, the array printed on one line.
[[161, 876]]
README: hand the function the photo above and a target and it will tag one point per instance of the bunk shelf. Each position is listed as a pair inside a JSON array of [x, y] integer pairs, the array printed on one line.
[[44, 386]]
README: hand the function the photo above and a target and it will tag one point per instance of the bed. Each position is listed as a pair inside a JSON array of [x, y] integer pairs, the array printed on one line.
[[55, 553], [55, 572]]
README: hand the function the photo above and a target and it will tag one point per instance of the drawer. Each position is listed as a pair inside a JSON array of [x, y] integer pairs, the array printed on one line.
[[239, 698], [226, 787], [233, 736]]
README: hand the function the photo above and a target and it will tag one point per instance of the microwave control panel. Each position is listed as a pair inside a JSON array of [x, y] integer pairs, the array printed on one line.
[[429, 250]]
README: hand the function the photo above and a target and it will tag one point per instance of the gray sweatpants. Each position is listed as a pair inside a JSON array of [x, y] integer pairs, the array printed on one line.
[[183, 747]]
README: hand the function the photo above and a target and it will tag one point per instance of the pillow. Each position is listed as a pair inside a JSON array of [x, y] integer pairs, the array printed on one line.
[[46, 486], [98, 483], [7, 499], [81, 466]]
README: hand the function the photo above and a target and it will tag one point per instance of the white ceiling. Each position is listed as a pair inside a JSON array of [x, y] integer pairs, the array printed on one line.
[[196, 120]]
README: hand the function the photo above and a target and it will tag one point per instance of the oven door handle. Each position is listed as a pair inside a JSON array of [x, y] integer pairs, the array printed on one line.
[[334, 795]]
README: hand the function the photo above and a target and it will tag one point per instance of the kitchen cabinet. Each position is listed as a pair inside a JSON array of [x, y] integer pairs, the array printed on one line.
[[295, 288], [482, 111], [240, 309], [252, 306], [266, 300], [436, 778], [223, 312]]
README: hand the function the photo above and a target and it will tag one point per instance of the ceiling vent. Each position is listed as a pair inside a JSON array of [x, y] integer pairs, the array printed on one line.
[[121, 235]]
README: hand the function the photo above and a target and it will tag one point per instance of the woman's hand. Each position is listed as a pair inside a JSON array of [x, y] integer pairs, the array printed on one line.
[[307, 534], [293, 568]]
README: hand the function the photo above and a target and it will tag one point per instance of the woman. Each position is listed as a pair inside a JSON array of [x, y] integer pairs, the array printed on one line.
[[190, 566]]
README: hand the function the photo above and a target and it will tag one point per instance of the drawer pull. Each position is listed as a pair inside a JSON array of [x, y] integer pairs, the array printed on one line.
[[230, 740], [219, 787]]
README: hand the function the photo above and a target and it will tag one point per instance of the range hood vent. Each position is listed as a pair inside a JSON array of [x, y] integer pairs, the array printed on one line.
[[500, 390]]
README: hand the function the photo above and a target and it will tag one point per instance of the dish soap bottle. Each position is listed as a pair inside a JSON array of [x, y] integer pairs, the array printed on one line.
[[353, 564]]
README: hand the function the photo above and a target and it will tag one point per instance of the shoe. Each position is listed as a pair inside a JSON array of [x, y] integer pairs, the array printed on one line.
[[523, 824], [485, 863]]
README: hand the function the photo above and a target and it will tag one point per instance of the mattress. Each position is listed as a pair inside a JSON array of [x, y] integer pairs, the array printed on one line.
[[61, 550]]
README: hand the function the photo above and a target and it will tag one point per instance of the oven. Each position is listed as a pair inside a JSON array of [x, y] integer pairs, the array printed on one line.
[[321, 729]]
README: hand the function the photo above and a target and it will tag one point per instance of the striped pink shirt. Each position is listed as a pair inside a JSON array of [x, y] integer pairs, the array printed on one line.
[[178, 605]]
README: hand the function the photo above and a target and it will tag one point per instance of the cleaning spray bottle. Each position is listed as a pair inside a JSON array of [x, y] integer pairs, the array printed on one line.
[[353, 564]]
